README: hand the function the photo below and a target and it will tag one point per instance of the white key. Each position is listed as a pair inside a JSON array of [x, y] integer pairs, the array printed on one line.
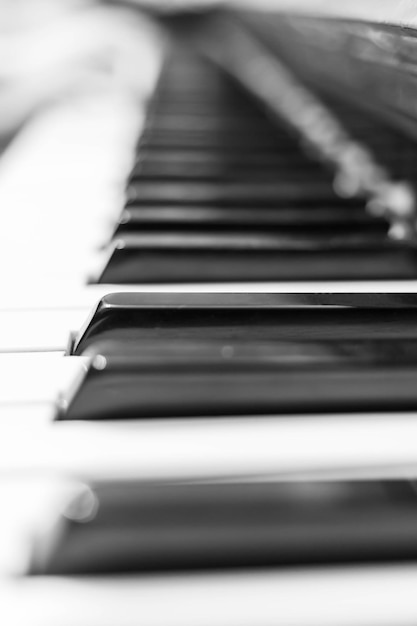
[[62, 178], [364, 596], [369, 444]]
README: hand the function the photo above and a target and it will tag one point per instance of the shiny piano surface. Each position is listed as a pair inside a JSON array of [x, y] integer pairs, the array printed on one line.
[[60, 214]]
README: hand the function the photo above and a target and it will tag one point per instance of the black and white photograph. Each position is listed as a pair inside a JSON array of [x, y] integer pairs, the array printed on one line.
[[208, 313]]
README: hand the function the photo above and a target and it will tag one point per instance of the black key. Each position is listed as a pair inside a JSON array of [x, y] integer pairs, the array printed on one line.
[[210, 123], [303, 175], [122, 526], [291, 169], [230, 193], [193, 257], [171, 161], [225, 141], [255, 317], [193, 378], [175, 104], [193, 355], [350, 219]]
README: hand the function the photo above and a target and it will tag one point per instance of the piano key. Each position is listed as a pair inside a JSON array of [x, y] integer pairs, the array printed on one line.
[[225, 142], [214, 122], [201, 379], [131, 526], [38, 330], [227, 317], [262, 139], [299, 174], [41, 306], [289, 153], [185, 157], [217, 355], [35, 378], [343, 446], [180, 257], [369, 595], [231, 193], [175, 104], [217, 219], [51, 318], [171, 163], [162, 165]]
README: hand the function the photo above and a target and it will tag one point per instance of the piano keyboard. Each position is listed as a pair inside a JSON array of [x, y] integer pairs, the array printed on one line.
[[233, 407]]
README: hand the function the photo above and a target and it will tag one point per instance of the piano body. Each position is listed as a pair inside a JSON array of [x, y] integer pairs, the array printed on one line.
[[248, 201]]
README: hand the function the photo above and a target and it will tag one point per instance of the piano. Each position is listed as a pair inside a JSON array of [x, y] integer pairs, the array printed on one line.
[[208, 332]]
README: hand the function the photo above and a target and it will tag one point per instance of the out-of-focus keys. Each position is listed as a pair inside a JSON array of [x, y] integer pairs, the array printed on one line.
[[132, 526], [226, 194], [231, 193], [183, 257], [175, 161], [329, 219]]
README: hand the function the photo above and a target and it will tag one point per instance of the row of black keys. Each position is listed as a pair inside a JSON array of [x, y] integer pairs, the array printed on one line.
[[246, 203], [168, 355], [221, 193]]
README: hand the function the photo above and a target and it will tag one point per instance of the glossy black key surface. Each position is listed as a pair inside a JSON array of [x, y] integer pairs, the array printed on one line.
[[165, 257], [214, 219], [230, 193], [225, 141], [156, 157], [207, 355], [126, 526], [211, 123], [219, 173], [227, 317], [195, 379], [166, 165]]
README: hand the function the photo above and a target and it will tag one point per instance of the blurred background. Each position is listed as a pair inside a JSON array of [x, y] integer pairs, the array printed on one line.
[[52, 50]]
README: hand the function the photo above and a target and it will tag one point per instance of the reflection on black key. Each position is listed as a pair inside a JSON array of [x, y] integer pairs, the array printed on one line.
[[249, 317], [233, 138], [194, 257], [224, 173], [215, 123], [129, 526], [218, 355], [330, 220], [214, 378], [154, 160], [231, 193]]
